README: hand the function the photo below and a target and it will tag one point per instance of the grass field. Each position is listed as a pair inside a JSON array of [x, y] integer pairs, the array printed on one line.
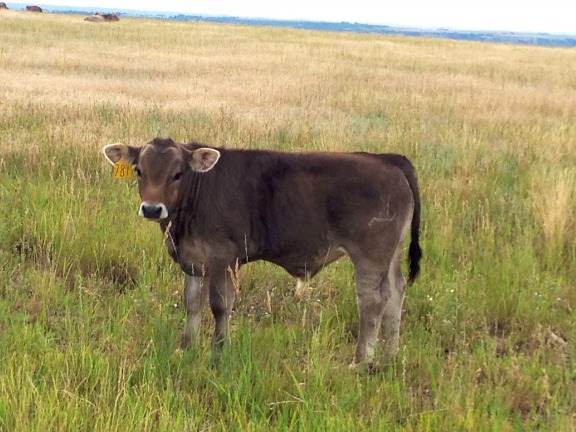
[[90, 303]]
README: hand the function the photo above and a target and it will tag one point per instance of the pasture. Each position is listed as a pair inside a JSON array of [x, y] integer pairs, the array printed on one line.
[[91, 305]]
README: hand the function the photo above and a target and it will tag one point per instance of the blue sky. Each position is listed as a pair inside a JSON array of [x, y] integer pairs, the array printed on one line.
[[550, 16]]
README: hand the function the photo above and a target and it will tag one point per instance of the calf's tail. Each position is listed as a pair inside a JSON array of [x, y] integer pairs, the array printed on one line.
[[414, 250]]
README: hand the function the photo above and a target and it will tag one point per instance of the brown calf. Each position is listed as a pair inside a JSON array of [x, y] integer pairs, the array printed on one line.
[[221, 208]]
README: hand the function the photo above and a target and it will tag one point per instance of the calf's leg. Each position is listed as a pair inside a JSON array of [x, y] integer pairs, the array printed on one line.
[[393, 308], [222, 296], [302, 285], [370, 310], [194, 297]]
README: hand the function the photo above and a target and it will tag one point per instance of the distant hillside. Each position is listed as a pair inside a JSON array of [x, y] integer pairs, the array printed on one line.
[[544, 39], [483, 36]]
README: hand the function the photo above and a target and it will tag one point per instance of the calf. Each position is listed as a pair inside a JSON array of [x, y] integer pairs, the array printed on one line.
[[220, 208]]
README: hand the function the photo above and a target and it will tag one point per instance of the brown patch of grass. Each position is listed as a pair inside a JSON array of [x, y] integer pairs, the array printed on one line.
[[552, 194], [39, 254]]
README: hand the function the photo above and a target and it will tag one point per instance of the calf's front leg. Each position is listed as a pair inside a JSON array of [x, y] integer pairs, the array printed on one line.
[[222, 296], [194, 296]]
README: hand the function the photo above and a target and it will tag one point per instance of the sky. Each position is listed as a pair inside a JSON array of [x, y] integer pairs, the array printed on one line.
[[547, 16]]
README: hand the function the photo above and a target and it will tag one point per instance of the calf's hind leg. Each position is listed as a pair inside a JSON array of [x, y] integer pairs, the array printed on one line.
[[370, 310], [393, 307]]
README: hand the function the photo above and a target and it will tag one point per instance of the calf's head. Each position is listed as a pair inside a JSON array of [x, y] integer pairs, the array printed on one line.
[[161, 167]]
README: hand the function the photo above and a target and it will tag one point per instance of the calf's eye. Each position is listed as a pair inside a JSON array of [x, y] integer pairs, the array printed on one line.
[[138, 172], [177, 176]]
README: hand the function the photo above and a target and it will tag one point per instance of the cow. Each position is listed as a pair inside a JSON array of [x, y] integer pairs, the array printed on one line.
[[3, 5], [33, 8], [220, 208], [95, 18], [108, 16], [99, 17]]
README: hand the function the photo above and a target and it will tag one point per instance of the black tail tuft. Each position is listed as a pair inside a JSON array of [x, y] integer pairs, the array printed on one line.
[[414, 255]]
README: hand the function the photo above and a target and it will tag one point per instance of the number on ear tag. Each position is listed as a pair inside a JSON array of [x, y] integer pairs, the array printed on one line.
[[122, 170]]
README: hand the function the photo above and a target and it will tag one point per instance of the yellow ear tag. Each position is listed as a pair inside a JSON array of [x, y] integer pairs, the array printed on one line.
[[122, 170]]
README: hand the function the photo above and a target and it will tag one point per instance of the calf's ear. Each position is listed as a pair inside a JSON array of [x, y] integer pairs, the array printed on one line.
[[204, 159], [115, 152]]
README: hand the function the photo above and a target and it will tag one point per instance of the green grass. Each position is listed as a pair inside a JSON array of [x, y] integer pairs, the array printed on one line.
[[90, 304]]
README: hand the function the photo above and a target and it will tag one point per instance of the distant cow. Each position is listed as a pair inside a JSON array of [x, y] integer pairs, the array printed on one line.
[[111, 17], [3, 5], [220, 208], [33, 8], [94, 18], [98, 17], [108, 16]]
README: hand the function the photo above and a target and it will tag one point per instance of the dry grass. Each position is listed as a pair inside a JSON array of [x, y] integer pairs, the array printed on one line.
[[266, 78], [552, 195]]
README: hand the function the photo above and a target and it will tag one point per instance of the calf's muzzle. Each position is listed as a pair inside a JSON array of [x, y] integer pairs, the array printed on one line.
[[154, 211]]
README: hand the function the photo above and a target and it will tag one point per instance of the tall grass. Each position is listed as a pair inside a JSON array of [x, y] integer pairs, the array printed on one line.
[[90, 305]]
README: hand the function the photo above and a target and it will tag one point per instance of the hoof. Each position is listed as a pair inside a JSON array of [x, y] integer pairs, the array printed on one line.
[[370, 368]]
